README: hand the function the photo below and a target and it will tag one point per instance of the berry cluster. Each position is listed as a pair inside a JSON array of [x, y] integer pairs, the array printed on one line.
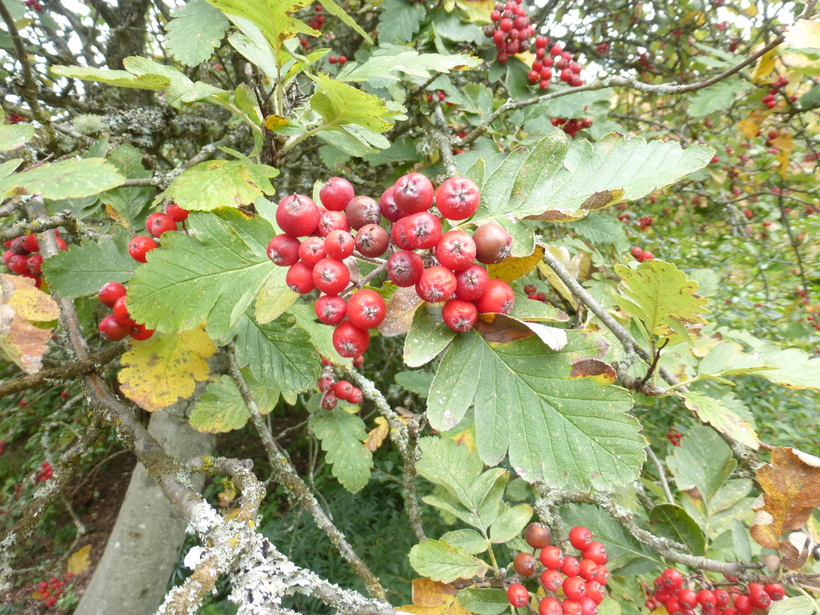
[[22, 256], [33, 4], [559, 62], [119, 324], [446, 274], [341, 60], [156, 224], [45, 472], [644, 222], [532, 293], [769, 99], [511, 29], [674, 436], [641, 255], [578, 580], [670, 592], [332, 391], [572, 126], [319, 20], [439, 95], [51, 590]]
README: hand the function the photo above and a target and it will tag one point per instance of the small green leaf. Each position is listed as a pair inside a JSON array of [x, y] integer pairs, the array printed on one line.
[[334, 9], [220, 183], [194, 32], [428, 336], [13, 136], [469, 540], [67, 179], [415, 382], [389, 62], [441, 562], [510, 523], [342, 435], [275, 297], [703, 460], [609, 606], [483, 601], [740, 542], [801, 605], [118, 78], [340, 104], [84, 268], [717, 97], [220, 409], [674, 522], [400, 20], [451, 465], [715, 412]]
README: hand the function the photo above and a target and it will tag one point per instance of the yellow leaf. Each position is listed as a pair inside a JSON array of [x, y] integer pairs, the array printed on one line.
[[376, 436], [765, 65], [750, 10], [272, 122], [78, 562], [21, 305], [434, 598], [477, 10], [513, 267], [750, 127], [115, 216], [783, 160], [804, 34], [159, 371], [784, 141]]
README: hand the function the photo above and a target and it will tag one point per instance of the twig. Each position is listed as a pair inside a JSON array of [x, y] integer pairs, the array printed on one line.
[[445, 145], [661, 474], [29, 89], [39, 225]]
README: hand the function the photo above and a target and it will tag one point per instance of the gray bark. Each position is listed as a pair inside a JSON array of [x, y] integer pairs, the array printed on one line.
[[144, 545]]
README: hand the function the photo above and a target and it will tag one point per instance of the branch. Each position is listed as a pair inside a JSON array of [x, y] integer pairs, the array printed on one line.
[[39, 225], [661, 474], [445, 145], [29, 90]]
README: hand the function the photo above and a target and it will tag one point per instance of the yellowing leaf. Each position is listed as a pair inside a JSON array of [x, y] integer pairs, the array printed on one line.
[[750, 10], [21, 305], [784, 141], [750, 127], [765, 65], [804, 34], [783, 161], [272, 122], [78, 562], [376, 436], [401, 307], [476, 10], [433, 598], [165, 368], [513, 267]]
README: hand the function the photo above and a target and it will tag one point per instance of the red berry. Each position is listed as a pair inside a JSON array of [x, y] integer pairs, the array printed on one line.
[[336, 193], [597, 553], [721, 597], [551, 580], [459, 315], [551, 557], [35, 264], [398, 233], [330, 309], [325, 384], [112, 330], [330, 221], [30, 243], [580, 537], [356, 393], [743, 605], [571, 566], [458, 198], [706, 598], [366, 309], [671, 578], [572, 607], [156, 224], [404, 268], [518, 595], [331, 276], [121, 313], [175, 212], [472, 282], [339, 244], [537, 535], [329, 401], [436, 284], [593, 590], [760, 599], [283, 250], [140, 332], [413, 193], [312, 250], [300, 278], [498, 298], [574, 587], [456, 250], [541, 42], [343, 389], [588, 570], [525, 564], [297, 215], [549, 606], [18, 263], [423, 230], [492, 243], [61, 243], [688, 598], [140, 246], [775, 591], [349, 340], [372, 240], [363, 210], [636, 252], [387, 205]]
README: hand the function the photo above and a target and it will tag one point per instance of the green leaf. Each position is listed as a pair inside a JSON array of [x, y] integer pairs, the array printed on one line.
[[194, 32], [13, 136], [469, 540], [661, 297], [217, 270], [67, 179], [415, 382], [719, 416], [574, 179], [740, 542], [791, 367], [220, 409], [451, 465], [510, 523], [279, 352], [560, 430], [802, 605], [703, 460], [129, 203], [674, 522], [340, 104], [388, 62], [342, 435], [221, 183], [717, 97], [118, 78], [609, 606], [602, 230], [400, 20], [441, 562], [483, 601], [181, 91], [84, 268], [428, 336], [334, 9]]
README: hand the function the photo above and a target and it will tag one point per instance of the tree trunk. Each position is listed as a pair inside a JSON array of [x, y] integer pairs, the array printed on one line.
[[144, 545]]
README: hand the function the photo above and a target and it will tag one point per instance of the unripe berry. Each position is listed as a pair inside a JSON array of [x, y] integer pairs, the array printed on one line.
[[312, 250], [459, 315], [339, 245], [156, 224], [297, 215], [472, 282], [300, 278], [349, 340], [372, 240], [537, 535], [366, 309], [413, 193], [336, 193], [110, 292], [456, 250], [283, 250], [525, 564], [330, 309], [331, 276], [498, 298], [404, 268], [436, 284], [363, 210], [492, 243]]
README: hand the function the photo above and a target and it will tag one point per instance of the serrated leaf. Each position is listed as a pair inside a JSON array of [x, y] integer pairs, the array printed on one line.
[[377, 435], [441, 562], [450, 465], [78, 562], [427, 338], [159, 371], [220, 409], [400, 20], [84, 268], [560, 430], [561, 181], [512, 268], [703, 461], [181, 91], [661, 297], [433, 598], [674, 522], [340, 104], [13, 136], [716, 97], [118, 78], [275, 297], [221, 183], [484, 601], [386, 63], [194, 32], [129, 203], [220, 266], [740, 542], [791, 367], [719, 416], [342, 435], [67, 179], [22, 305], [469, 540], [510, 523], [279, 352]]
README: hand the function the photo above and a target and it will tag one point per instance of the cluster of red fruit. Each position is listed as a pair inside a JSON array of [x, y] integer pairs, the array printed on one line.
[[578, 580], [23, 258], [511, 29], [565, 67], [333, 391], [572, 126], [15, 118], [119, 324], [644, 222], [669, 592], [438, 95], [447, 274], [33, 4], [319, 20], [641, 255], [674, 436], [156, 224], [341, 60], [51, 590], [532, 293], [769, 99], [45, 472]]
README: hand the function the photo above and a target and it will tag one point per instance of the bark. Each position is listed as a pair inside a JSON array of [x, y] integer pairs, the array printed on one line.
[[144, 546]]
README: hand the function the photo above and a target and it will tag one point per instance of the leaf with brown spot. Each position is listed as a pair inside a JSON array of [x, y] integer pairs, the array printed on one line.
[[159, 371], [791, 490], [503, 329], [586, 368], [401, 307], [433, 598], [21, 305]]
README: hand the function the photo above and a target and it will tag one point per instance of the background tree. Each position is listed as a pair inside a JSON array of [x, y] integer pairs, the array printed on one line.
[[647, 178]]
